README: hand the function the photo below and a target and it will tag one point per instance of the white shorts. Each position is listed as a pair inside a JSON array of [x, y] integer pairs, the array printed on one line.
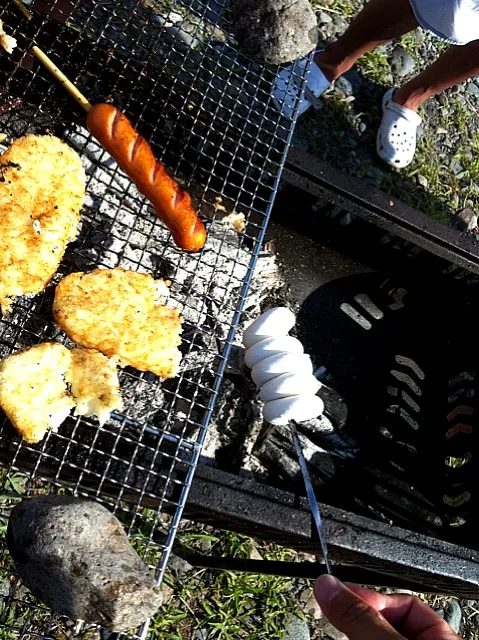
[[455, 21]]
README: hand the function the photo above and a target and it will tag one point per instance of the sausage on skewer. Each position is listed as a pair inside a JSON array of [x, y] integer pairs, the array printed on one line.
[[134, 155]]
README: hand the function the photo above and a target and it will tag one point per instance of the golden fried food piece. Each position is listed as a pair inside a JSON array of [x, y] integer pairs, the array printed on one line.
[[94, 384], [6, 41], [33, 391], [119, 312], [39, 387], [42, 190]]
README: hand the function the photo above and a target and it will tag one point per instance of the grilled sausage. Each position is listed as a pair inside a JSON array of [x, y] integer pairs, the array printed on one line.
[[134, 155]]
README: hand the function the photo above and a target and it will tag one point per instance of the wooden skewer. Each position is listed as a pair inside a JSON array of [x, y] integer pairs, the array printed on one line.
[[23, 9], [69, 86]]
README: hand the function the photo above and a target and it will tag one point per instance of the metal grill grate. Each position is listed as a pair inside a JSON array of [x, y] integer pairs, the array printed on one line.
[[208, 114]]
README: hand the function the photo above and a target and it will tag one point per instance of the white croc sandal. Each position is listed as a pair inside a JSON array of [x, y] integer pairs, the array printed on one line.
[[397, 135], [286, 90]]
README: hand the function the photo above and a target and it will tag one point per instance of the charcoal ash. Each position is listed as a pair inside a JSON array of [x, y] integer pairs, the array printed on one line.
[[139, 402], [232, 428]]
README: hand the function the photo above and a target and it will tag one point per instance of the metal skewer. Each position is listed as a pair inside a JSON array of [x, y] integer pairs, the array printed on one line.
[[59, 75], [313, 503]]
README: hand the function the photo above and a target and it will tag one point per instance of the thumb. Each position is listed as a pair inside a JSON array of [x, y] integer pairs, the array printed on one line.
[[350, 614]]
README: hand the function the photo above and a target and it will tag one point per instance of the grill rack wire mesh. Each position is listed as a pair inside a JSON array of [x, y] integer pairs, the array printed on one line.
[[207, 111]]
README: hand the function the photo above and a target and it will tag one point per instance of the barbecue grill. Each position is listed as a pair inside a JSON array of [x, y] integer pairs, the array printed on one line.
[[207, 112], [385, 310]]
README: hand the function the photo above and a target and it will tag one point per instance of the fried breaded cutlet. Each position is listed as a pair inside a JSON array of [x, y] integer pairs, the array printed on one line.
[[6, 41], [39, 386], [120, 313], [42, 190]]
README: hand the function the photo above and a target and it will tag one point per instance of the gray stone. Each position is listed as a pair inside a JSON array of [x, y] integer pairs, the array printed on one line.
[[472, 90], [440, 612], [74, 555], [362, 127], [200, 634], [455, 166], [343, 85], [324, 18], [331, 632], [402, 62], [340, 25], [296, 629], [178, 566], [354, 80], [274, 31], [422, 180], [4, 588], [453, 616], [181, 35]]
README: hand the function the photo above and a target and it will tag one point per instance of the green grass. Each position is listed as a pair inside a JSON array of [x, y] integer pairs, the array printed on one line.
[[227, 604], [375, 66]]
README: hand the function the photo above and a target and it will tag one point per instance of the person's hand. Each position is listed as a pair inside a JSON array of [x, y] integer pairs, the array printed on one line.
[[366, 615]]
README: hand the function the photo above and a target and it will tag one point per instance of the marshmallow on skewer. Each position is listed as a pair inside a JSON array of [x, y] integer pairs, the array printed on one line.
[[299, 408], [281, 369], [275, 322], [289, 384], [270, 347], [276, 365]]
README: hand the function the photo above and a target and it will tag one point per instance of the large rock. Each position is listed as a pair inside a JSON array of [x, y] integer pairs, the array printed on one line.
[[274, 31], [74, 555]]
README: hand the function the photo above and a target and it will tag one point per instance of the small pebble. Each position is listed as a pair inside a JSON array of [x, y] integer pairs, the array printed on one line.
[[453, 616], [4, 589], [362, 127], [402, 62], [324, 17], [178, 566], [473, 90], [296, 629], [328, 631], [422, 180], [354, 79], [456, 166], [344, 86]]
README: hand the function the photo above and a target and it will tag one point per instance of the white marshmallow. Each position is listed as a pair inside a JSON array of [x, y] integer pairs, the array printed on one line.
[[300, 408], [275, 322], [271, 346], [289, 384], [280, 363]]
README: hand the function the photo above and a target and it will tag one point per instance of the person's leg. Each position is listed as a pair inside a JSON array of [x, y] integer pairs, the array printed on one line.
[[457, 64], [396, 141], [379, 22]]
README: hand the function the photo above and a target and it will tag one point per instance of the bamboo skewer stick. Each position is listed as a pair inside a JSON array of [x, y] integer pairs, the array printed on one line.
[[59, 75], [23, 9]]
